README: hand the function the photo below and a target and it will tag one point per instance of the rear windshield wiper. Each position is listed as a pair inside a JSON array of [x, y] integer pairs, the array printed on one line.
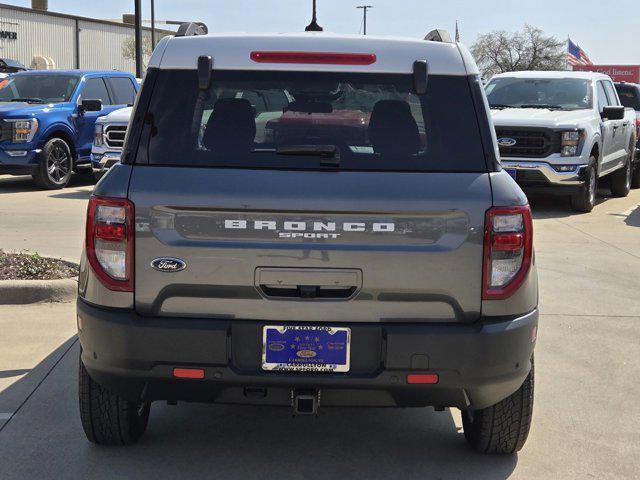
[[330, 154], [28, 100]]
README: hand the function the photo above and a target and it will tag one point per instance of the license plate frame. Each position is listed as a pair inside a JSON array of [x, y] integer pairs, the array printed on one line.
[[312, 349]]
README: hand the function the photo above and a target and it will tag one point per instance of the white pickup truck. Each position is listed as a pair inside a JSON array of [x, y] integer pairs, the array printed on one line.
[[108, 141], [562, 132]]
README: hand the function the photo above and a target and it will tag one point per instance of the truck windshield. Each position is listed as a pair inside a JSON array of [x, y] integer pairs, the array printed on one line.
[[38, 88], [552, 93], [296, 120]]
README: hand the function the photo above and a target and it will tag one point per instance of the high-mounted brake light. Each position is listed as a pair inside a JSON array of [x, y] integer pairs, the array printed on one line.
[[508, 250], [316, 58], [109, 241]]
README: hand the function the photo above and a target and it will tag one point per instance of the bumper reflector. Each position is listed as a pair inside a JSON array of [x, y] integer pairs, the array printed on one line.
[[424, 378], [197, 373]]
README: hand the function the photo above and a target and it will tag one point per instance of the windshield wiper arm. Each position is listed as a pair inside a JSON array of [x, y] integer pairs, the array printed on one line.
[[329, 154], [500, 106], [541, 105], [28, 100]]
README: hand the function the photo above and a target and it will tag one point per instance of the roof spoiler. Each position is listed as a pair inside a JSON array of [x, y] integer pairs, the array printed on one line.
[[189, 29], [438, 35]]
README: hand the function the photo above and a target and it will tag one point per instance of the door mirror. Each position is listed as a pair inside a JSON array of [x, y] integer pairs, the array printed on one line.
[[89, 105], [613, 113]]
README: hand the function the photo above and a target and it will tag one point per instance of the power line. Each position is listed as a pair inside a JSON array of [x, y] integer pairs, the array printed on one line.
[[364, 20]]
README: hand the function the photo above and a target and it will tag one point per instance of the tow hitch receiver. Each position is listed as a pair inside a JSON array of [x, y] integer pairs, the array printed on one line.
[[305, 401]]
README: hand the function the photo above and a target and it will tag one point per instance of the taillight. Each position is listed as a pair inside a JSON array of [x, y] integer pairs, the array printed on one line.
[[315, 58], [109, 241], [508, 247]]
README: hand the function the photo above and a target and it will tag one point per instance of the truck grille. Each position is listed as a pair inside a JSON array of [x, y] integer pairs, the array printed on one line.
[[530, 143], [114, 135]]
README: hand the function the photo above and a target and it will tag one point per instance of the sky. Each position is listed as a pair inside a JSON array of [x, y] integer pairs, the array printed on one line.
[[606, 31]]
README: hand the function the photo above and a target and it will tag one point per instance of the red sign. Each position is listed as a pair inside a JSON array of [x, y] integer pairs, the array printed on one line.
[[618, 73]]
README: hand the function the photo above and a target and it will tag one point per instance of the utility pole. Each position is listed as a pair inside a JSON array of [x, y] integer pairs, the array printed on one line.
[[153, 25], [313, 26], [365, 8], [138, 37]]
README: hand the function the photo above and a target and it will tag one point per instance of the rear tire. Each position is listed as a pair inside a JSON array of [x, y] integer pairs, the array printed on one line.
[[504, 427], [621, 179], [106, 418], [55, 167], [585, 198]]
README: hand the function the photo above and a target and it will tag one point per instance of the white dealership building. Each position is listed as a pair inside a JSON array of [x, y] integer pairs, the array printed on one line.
[[39, 38]]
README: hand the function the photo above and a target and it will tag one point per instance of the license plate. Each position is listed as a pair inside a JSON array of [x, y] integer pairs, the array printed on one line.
[[512, 172], [306, 349]]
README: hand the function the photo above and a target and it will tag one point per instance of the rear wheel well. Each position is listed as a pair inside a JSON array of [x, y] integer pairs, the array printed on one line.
[[61, 134]]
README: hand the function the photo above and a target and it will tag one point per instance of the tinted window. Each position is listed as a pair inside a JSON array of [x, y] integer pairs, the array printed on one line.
[[629, 96], [95, 89], [369, 121], [277, 100], [560, 93], [256, 99], [123, 90], [602, 97], [38, 88]]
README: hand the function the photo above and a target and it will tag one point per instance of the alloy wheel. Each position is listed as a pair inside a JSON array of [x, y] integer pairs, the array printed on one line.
[[58, 164]]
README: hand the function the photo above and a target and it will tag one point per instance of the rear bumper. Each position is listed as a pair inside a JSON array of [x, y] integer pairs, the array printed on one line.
[[478, 365]]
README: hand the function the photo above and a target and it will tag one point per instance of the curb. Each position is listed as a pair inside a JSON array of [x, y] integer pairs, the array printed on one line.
[[20, 292]]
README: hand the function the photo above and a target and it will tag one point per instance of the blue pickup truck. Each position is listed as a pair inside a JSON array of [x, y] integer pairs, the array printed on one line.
[[47, 120]]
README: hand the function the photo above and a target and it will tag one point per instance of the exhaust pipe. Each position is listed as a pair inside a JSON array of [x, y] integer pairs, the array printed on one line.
[[306, 402]]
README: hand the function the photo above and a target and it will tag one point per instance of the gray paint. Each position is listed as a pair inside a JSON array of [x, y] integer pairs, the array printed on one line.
[[430, 269]]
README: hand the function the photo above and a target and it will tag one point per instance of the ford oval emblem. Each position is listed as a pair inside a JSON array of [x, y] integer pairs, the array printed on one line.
[[306, 353], [507, 142], [168, 264]]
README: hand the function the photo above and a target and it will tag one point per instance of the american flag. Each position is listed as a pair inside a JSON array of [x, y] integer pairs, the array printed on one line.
[[576, 56]]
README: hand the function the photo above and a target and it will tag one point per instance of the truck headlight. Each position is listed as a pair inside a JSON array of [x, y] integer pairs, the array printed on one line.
[[98, 139], [23, 131], [570, 144]]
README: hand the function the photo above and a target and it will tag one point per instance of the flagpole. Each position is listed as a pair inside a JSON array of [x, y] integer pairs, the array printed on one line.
[[566, 57]]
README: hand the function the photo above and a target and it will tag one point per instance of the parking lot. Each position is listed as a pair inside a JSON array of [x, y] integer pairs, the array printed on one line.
[[586, 416]]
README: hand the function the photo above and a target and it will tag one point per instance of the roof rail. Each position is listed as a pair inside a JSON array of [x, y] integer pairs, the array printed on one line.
[[439, 35], [190, 29]]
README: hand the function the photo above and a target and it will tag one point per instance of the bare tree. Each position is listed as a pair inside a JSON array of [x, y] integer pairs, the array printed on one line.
[[500, 51], [129, 48]]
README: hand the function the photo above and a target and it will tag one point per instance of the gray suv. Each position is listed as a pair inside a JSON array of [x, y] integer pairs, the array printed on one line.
[[328, 226]]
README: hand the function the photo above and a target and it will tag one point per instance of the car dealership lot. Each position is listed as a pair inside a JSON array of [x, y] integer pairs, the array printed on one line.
[[586, 415]]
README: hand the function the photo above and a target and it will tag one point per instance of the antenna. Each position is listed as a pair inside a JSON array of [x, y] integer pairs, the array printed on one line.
[[313, 26], [365, 8]]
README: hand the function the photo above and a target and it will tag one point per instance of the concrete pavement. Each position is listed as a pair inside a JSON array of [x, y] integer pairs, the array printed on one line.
[[49, 222], [586, 414]]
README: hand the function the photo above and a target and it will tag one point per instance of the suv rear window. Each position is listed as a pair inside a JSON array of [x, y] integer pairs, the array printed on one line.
[[629, 96], [292, 120]]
